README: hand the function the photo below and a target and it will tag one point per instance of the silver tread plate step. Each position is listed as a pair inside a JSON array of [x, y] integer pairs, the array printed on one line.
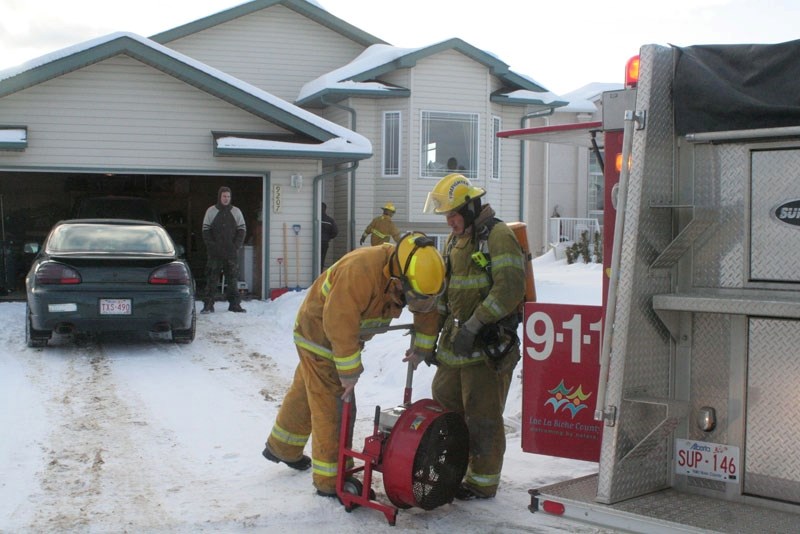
[[663, 511]]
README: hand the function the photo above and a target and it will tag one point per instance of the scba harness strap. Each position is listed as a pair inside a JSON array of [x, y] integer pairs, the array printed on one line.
[[500, 337]]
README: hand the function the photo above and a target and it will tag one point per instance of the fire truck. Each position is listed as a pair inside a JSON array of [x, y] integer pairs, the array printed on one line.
[[683, 385]]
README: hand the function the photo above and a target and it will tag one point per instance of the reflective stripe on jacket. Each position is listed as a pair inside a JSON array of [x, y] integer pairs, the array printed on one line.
[[349, 296], [472, 289], [381, 229]]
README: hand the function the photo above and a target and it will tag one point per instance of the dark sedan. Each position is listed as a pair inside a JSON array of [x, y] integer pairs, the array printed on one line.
[[104, 275]]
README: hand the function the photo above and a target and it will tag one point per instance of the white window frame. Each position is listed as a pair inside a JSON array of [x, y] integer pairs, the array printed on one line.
[[391, 145], [438, 167], [494, 167], [595, 195]]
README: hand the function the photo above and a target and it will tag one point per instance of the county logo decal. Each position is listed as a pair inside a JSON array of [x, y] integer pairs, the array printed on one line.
[[567, 399]]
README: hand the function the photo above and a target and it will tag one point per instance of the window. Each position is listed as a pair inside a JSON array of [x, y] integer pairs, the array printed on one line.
[[495, 143], [596, 194], [391, 143], [448, 143]]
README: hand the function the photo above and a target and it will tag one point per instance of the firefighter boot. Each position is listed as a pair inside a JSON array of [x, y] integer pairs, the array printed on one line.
[[208, 306], [303, 463]]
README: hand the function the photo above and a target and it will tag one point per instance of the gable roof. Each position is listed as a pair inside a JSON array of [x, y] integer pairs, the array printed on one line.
[[309, 129], [358, 78], [306, 8]]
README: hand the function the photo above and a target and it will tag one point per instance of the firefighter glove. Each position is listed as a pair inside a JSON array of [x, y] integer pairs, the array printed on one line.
[[349, 385], [417, 356], [363, 238], [465, 336]]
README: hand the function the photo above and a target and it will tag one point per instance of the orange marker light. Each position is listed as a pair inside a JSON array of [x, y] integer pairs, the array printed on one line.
[[632, 72]]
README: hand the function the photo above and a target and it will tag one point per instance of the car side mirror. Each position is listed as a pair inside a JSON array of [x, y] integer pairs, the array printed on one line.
[[31, 248]]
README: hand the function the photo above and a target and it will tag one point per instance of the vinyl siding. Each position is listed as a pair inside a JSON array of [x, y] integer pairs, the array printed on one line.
[[121, 115], [275, 49]]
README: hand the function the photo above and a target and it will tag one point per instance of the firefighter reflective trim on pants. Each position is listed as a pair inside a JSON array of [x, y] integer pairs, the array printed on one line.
[[325, 469], [312, 347], [284, 436], [424, 341], [482, 481], [474, 281]]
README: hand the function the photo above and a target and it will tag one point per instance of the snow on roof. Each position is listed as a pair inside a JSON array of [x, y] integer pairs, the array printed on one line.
[[592, 91], [583, 99], [374, 56], [333, 145], [546, 96], [13, 135], [354, 142], [381, 54]]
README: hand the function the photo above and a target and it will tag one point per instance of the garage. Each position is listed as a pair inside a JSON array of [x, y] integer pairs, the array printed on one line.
[[32, 202], [122, 115]]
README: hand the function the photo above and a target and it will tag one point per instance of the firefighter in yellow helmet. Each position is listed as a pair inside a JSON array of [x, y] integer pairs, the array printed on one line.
[[368, 287], [382, 228], [478, 345]]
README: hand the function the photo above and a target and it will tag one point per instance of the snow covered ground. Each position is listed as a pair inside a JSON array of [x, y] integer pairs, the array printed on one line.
[[134, 435]]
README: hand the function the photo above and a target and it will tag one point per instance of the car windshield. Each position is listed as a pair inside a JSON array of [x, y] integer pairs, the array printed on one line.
[[109, 238]]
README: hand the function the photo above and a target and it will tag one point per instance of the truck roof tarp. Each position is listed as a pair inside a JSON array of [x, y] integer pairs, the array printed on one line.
[[736, 87], [578, 134]]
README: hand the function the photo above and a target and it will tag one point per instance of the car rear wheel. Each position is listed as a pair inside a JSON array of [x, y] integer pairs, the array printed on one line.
[[34, 338], [186, 336]]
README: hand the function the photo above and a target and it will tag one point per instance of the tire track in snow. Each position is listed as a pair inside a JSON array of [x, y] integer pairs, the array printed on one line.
[[88, 455], [260, 365]]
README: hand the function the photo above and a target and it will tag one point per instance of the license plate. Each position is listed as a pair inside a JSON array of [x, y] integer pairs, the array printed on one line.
[[115, 306], [707, 460]]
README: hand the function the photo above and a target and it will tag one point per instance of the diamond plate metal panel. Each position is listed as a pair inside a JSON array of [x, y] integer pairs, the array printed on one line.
[[720, 180], [636, 328], [774, 245], [772, 466], [710, 374]]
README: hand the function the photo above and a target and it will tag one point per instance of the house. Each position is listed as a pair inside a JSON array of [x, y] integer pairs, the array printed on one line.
[[278, 99]]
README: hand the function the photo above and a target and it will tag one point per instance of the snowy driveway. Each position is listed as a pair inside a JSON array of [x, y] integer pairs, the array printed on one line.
[[134, 435]]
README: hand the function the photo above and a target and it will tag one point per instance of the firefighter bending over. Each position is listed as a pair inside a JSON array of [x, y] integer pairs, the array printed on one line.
[[480, 311], [367, 287], [382, 228]]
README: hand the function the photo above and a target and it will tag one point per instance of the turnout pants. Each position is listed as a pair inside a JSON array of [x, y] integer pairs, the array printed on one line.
[[479, 394], [312, 408]]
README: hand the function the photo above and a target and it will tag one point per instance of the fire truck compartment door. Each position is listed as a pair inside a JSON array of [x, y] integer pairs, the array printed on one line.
[[772, 466], [775, 215]]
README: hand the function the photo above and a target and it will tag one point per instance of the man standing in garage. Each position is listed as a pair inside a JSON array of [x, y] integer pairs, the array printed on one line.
[[223, 233]]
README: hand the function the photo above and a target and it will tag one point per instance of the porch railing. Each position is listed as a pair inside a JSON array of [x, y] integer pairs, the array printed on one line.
[[569, 229]]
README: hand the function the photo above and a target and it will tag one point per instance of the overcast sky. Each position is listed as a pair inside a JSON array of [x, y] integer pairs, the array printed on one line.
[[562, 45]]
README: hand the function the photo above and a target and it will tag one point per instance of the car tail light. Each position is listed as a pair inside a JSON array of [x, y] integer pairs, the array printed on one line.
[[171, 274], [57, 273]]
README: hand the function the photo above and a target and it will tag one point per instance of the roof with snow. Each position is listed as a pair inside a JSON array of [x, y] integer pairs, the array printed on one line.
[[307, 8], [312, 135], [582, 100], [360, 76]]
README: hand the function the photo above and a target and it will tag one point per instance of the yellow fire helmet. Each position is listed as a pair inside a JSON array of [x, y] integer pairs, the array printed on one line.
[[389, 206], [422, 271], [451, 193]]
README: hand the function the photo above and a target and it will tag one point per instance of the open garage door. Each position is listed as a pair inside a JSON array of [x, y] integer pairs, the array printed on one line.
[[32, 202]]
